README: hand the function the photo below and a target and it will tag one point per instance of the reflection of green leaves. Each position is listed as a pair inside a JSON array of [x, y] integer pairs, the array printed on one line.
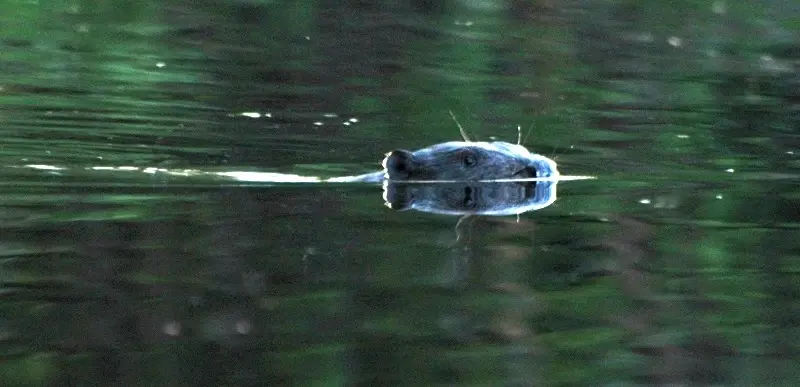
[[33, 370], [66, 209], [94, 85]]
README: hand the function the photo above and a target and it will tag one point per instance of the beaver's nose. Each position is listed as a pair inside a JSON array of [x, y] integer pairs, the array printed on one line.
[[545, 168], [398, 164], [525, 173]]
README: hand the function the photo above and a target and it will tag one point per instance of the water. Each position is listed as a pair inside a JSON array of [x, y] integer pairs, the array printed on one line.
[[677, 265]]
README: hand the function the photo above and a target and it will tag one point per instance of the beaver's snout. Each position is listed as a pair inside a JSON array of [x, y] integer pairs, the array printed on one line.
[[525, 173], [398, 164]]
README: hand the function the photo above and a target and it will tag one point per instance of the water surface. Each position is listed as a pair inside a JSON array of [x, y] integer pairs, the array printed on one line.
[[677, 265]]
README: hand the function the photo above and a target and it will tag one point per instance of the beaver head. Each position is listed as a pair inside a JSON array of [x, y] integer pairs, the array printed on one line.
[[467, 161]]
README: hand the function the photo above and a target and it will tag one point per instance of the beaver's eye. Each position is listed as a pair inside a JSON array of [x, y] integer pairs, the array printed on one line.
[[469, 159], [469, 198]]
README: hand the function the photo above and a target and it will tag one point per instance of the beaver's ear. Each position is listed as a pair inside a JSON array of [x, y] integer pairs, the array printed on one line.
[[398, 196], [398, 164]]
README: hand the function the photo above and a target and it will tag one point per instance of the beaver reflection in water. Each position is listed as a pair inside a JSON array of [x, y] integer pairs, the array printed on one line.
[[493, 199]]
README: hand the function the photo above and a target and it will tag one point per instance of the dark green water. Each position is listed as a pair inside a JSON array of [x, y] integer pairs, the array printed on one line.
[[678, 265]]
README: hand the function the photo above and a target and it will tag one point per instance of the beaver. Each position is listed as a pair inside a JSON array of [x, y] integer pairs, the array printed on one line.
[[477, 178], [460, 161]]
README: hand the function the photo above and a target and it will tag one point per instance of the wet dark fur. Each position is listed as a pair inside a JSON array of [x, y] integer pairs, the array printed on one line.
[[462, 161]]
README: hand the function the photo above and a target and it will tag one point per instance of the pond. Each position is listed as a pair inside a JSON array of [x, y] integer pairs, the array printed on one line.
[[136, 248]]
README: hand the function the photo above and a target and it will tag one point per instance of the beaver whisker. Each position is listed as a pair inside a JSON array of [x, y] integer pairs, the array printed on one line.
[[527, 133], [460, 128]]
